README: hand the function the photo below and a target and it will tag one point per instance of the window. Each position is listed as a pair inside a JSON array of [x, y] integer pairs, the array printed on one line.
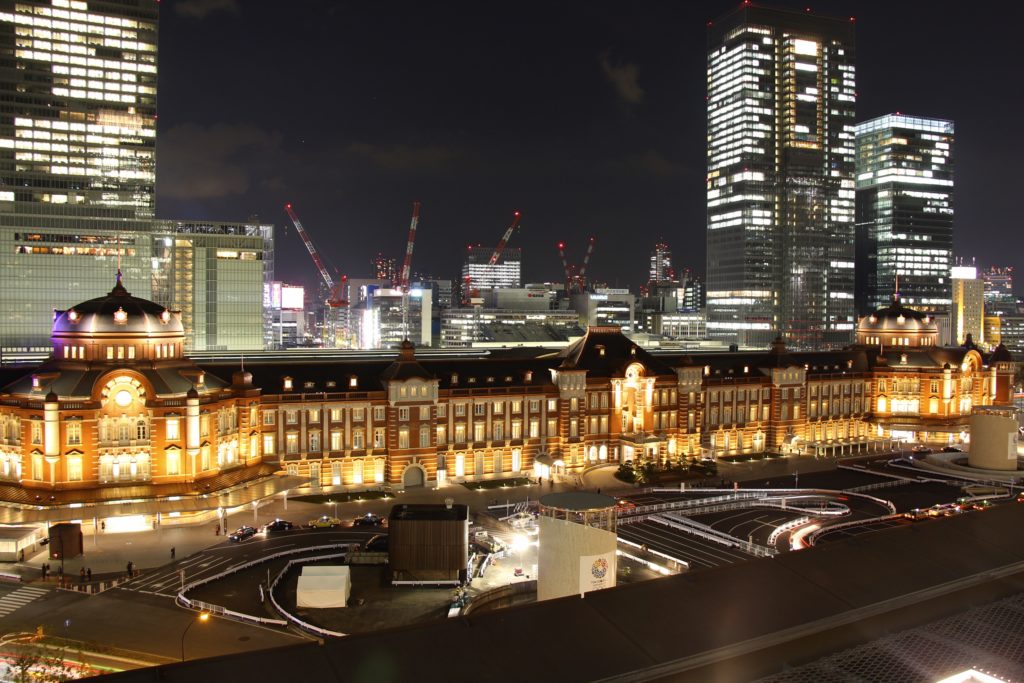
[[552, 427], [173, 429], [480, 409], [424, 437], [534, 406], [460, 409], [204, 426], [291, 416], [37, 433], [74, 431], [379, 414], [574, 427], [499, 431], [517, 429], [499, 408], [358, 439], [552, 404], [379, 437], [478, 431], [534, 428], [75, 468], [424, 412], [141, 430], [442, 410], [173, 462], [314, 441], [336, 415], [574, 404], [403, 437], [335, 441], [403, 414], [460, 433], [268, 417], [442, 435], [517, 460], [268, 444], [291, 443], [357, 414], [517, 406], [314, 415]]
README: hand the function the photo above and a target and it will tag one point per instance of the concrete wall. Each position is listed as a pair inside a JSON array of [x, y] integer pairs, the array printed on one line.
[[993, 440], [562, 545]]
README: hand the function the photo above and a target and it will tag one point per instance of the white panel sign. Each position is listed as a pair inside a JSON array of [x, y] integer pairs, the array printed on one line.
[[597, 572]]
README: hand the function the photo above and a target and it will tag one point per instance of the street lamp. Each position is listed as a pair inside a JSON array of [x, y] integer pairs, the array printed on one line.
[[203, 617]]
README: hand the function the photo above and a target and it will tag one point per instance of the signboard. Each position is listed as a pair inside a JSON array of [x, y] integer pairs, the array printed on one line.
[[292, 298], [597, 572]]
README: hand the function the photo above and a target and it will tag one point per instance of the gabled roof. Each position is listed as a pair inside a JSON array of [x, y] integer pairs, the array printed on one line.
[[606, 352], [405, 366]]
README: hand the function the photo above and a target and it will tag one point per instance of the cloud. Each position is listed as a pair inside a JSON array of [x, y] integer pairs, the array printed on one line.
[[200, 9], [200, 162], [404, 157], [624, 77]]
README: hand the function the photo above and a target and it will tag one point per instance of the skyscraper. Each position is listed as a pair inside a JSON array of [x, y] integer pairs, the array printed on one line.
[[999, 296], [968, 305], [77, 157], [780, 185], [660, 269], [904, 212], [478, 271]]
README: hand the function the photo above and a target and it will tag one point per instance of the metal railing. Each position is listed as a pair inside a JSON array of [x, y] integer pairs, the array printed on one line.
[[306, 626], [788, 526], [710, 534], [185, 602]]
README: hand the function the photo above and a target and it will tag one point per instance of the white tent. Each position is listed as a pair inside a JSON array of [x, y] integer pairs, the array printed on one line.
[[326, 570], [322, 589]]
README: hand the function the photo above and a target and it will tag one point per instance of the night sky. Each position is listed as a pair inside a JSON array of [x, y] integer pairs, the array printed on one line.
[[586, 116]]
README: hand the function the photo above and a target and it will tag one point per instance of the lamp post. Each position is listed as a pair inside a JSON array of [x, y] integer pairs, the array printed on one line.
[[203, 617]]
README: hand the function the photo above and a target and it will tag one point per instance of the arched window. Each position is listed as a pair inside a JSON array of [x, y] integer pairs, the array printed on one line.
[[141, 430]]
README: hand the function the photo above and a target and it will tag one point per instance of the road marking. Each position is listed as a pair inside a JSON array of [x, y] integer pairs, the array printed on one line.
[[20, 598]]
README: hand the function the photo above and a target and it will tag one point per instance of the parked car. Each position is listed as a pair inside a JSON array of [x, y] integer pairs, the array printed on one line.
[[324, 522], [369, 519], [377, 544], [921, 449], [278, 525], [915, 514], [242, 533], [623, 505], [951, 449]]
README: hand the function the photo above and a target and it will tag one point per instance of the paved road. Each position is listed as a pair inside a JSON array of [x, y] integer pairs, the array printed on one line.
[[696, 552], [756, 523]]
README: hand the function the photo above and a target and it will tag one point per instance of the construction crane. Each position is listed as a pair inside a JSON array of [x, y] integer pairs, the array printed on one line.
[[504, 239], [467, 289], [338, 297], [575, 277], [405, 274]]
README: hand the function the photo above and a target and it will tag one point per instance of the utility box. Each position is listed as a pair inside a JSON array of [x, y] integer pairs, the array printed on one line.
[[65, 541]]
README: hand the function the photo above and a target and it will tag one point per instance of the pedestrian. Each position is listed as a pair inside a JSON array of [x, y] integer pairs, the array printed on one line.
[[103, 525], [128, 569], [60, 571], [172, 552], [599, 489], [88, 574], [81, 575], [21, 555], [216, 531], [43, 570]]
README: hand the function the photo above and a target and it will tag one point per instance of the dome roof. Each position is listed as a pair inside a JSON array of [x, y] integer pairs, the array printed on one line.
[[118, 314], [897, 318]]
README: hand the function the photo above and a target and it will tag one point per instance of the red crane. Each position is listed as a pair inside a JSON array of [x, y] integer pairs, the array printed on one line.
[[338, 291], [575, 277], [504, 239], [403, 277]]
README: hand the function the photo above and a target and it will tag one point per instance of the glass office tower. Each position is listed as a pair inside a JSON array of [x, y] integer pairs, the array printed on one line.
[[780, 185], [215, 274], [77, 157], [904, 212]]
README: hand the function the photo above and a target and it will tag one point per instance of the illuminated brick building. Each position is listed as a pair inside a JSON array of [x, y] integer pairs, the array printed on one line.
[[117, 405]]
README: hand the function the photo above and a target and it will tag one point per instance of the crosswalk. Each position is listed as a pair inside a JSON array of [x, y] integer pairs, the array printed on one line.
[[20, 598]]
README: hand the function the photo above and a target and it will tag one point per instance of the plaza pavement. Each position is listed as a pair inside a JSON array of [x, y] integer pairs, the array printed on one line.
[[107, 554]]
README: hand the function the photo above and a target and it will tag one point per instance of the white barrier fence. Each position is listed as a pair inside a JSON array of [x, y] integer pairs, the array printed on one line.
[[708, 533], [306, 626], [222, 611], [788, 526]]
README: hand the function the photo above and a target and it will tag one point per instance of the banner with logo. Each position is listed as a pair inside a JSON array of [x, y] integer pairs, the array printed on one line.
[[597, 572]]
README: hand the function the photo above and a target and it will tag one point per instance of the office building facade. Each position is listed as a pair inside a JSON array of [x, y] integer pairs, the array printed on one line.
[[479, 273], [904, 212], [77, 157], [780, 183], [968, 307], [215, 273], [660, 269]]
